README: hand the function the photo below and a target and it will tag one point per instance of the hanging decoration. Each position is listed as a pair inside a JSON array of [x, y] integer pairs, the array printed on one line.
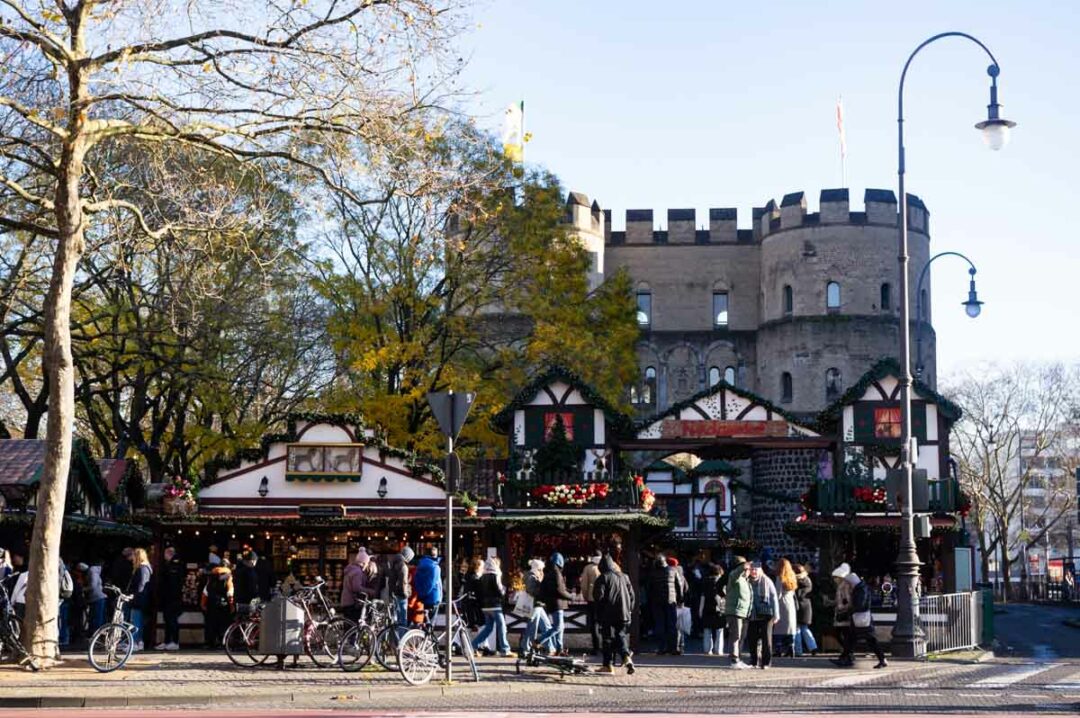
[[570, 494]]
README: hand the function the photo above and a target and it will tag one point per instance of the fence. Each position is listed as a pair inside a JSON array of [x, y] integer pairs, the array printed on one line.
[[951, 621]]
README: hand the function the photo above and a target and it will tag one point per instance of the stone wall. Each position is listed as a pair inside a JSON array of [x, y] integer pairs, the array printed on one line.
[[788, 472]]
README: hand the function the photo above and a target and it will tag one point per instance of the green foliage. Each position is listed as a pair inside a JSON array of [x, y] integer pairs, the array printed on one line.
[[558, 455]]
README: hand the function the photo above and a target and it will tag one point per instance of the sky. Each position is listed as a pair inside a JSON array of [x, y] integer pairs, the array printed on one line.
[[701, 104]]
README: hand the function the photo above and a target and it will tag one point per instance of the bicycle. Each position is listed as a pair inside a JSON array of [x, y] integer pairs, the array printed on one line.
[[11, 647], [112, 644], [242, 636], [322, 636], [423, 649], [367, 637]]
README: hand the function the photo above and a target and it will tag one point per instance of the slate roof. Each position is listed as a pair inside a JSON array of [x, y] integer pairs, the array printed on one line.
[[21, 460], [112, 472]]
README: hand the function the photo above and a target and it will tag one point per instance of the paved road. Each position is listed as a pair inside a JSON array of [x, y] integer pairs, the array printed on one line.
[[690, 685], [561, 714], [1036, 631]]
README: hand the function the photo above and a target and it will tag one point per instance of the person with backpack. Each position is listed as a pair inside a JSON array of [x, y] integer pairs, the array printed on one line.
[[713, 590], [170, 596], [737, 606], [398, 584], [862, 624], [217, 602], [613, 596], [764, 609], [539, 622], [139, 588]]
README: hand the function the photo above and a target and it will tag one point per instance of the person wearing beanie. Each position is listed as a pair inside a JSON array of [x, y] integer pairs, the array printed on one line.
[[398, 583], [539, 621], [613, 595], [491, 596], [737, 606], [589, 574], [842, 607], [556, 599], [861, 624], [359, 584]]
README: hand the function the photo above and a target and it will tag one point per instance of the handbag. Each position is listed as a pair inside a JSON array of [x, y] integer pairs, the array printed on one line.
[[683, 620], [523, 605], [860, 619]]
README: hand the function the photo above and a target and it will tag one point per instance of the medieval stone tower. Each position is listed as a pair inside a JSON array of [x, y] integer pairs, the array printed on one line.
[[796, 308]]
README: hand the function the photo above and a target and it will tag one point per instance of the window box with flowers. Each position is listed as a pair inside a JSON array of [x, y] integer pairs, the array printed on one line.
[[179, 496]]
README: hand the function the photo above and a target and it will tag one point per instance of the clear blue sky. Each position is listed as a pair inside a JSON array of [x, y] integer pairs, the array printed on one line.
[[701, 104]]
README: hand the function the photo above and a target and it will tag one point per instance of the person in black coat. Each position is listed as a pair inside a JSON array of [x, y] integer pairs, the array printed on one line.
[[246, 580], [170, 592], [490, 595], [613, 596], [713, 618], [804, 638], [556, 599]]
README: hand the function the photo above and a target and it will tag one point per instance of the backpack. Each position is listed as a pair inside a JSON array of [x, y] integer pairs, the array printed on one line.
[[532, 585], [67, 586]]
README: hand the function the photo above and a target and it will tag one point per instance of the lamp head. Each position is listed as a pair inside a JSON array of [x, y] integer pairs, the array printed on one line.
[[382, 490], [972, 306], [995, 129], [264, 487]]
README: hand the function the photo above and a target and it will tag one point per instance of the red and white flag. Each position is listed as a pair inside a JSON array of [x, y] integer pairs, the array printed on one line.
[[840, 126]]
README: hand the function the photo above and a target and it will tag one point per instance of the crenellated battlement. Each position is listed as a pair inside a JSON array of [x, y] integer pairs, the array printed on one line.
[[683, 226]]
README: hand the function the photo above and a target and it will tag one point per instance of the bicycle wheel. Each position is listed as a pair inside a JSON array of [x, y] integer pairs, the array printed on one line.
[[356, 648], [469, 654], [333, 631], [252, 631], [315, 647], [110, 647], [386, 648], [418, 657], [238, 645]]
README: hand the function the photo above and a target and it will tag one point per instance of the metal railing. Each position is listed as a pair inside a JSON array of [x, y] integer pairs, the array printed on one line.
[[951, 621], [843, 496]]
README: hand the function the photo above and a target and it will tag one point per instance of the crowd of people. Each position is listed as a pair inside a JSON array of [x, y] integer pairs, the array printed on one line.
[[753, 608]]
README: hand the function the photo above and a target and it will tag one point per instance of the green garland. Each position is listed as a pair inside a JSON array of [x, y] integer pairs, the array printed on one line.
[[417, 464], [795, 528], [565, 521], [276, 523], [618, 422], [82, 525]]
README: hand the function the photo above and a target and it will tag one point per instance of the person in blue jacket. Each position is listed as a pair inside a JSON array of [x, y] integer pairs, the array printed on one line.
[[427, 583]]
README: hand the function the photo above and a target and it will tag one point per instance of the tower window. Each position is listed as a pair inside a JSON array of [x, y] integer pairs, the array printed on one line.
[[832, 296], [729, 375], [644, 309], [714, 376], [786, 389], [834, 384], [720, 309], [789, 300], [648, 394], [886, 297]]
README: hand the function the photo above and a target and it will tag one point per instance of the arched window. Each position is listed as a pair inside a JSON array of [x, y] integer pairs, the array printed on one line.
[[714, 376], [729, 375], [886, 297], [634, 397], [834, 384], [644, 309], [832, 296], [648, 394], [720, 309], [789, 300], [787, 391]]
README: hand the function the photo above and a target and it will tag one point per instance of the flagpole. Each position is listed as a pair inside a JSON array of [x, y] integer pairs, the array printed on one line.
[[843, 139]]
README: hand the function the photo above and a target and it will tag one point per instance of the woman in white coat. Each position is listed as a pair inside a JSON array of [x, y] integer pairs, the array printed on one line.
[[787, 621]]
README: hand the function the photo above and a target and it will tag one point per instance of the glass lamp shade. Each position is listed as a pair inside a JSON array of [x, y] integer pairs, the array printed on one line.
[[973, 307], [995, 135]]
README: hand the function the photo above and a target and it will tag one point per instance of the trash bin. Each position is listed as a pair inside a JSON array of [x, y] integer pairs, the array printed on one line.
[[987, 590], [281, 628]]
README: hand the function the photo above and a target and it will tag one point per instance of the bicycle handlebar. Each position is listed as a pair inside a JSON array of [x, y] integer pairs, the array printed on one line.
[[123, 597]]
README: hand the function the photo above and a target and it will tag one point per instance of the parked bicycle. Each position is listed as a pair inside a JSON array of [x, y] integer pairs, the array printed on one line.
[[11, 647], [373, 635], [323, 629], [423, 649], [112, 644], [242, 636]]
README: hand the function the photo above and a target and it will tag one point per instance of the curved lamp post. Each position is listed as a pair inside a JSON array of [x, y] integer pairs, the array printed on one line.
[[908, 639], [973, 307]]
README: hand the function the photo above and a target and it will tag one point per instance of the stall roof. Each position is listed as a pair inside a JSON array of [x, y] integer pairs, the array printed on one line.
[[831, 414], [22, 462], [618, 420]]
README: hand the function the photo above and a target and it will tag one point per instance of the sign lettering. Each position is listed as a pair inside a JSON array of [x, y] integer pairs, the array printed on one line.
[[716, 428]]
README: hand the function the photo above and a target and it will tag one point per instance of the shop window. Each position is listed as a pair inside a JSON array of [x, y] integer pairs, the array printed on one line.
[[678, 510], [887, 423], [714, 376], [786, 388], [789, 300], [834, 384], [648, 394], [720, 309], [886, 297], [729, 375], [832, 296], [644, 309]]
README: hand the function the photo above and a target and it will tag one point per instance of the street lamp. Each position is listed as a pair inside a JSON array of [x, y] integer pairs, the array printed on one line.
[[973, 307], [908, 639]]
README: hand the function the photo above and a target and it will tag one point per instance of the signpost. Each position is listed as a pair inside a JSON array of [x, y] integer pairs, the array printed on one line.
[[450, 411]]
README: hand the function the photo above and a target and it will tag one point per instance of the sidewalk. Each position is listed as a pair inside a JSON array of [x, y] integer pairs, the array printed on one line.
[[202, 678]]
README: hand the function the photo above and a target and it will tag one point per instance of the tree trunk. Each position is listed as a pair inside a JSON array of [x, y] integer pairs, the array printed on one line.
[[1006, 584], [41, 625]]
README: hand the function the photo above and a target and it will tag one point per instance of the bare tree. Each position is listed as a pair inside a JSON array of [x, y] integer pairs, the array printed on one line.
[[280, 85], [1015, 420]]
